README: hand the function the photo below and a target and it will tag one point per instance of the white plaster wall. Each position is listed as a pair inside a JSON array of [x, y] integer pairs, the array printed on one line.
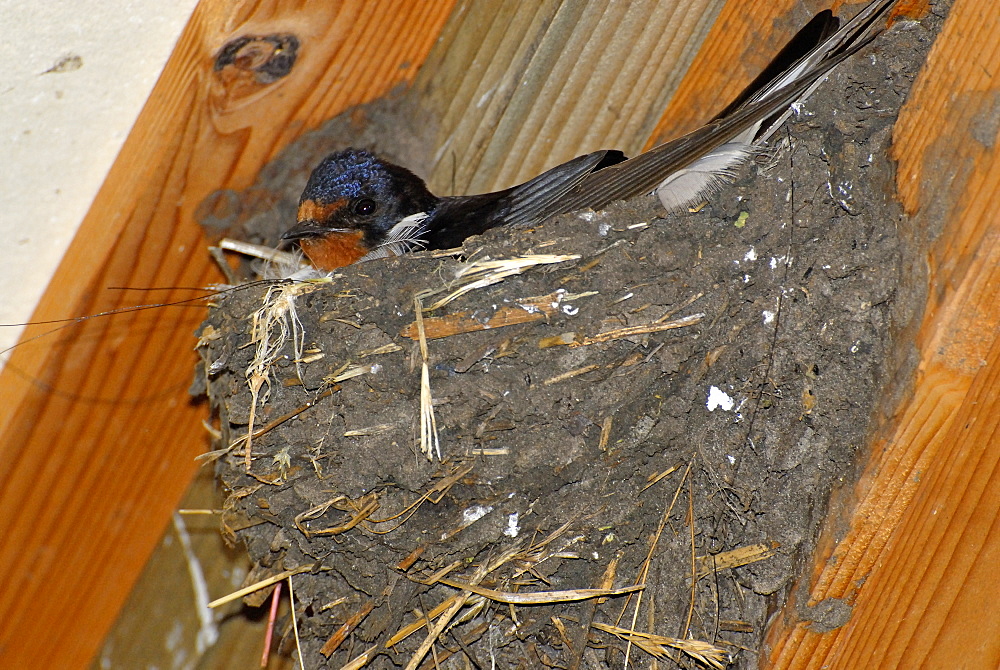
[[61, 127]]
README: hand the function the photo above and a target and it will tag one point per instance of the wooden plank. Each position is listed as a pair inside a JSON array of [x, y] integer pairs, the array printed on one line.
[[520, 87], [164, 605], [917, 559], [96, 430], [742, 42]]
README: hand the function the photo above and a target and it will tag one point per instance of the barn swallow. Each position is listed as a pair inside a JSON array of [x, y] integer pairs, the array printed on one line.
[[357, 206]]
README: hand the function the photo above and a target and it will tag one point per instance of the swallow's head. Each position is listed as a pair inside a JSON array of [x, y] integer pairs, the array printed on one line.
[[351, 202]]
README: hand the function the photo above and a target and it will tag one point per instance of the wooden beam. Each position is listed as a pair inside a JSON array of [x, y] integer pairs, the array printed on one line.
[[743, 40], [520, 87], [97, 433]]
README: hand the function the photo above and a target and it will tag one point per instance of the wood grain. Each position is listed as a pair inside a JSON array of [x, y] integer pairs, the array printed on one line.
[[96, 428], [918, 558], [520, 87], [741, 43]]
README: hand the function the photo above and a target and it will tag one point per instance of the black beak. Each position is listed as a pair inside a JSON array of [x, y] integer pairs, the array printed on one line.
[[309, 228]]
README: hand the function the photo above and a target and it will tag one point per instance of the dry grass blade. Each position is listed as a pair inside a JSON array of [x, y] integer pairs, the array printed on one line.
[[349, 372], [411, 628], [295, 622], [569, 375], [434, 494], [429, 442], [262, 584], [654, 478], [690, 301], [691, 519], [541, 597], [734, 558], [479, 274], [390, 348], [266, 428], [524, 310], [441, 573], [619, 333], [346, 629], [269, 331], [605, 433], [274, 256], [315, 512], [369, 430], [360, 510], [360, 661], [644, 571], [658, 645], [459, 602]]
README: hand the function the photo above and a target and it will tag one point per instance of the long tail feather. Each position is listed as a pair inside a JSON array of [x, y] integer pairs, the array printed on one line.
[[684, 170]]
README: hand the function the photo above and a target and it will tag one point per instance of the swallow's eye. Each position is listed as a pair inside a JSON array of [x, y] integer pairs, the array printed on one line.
[[365, 206]]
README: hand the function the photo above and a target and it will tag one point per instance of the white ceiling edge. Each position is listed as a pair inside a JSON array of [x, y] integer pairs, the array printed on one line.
[[76, 74]]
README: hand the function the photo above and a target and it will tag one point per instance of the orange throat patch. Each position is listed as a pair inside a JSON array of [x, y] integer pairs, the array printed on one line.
[[334, 250]]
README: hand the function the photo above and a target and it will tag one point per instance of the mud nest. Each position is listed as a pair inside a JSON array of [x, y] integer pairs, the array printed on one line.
[[582, 444]]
